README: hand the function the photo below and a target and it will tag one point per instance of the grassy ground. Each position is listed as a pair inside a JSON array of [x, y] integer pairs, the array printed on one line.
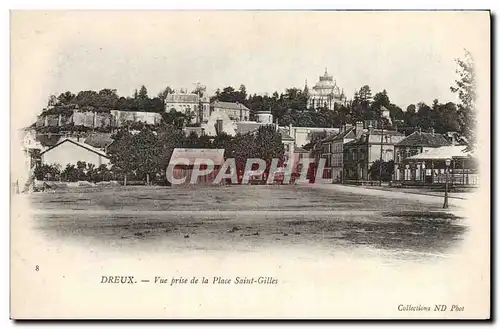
[[246, 218]]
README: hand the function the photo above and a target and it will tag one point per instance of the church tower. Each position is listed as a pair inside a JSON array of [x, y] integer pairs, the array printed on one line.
[[325, 93]]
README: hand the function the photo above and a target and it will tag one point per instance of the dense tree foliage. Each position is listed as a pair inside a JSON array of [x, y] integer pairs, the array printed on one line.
[[385, 172], [146, 154], [107, 99], [465, 87], [80, 171]]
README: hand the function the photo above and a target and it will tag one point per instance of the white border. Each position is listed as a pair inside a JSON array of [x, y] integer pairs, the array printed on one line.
[[189, 4]]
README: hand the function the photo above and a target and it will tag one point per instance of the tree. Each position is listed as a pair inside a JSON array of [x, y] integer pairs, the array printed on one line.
[[146, 149], [142, 99], [241, 148], [387, 170], [165, 92], [47, 172], [365, 94], [70, 173], [221, 141], [87, 98], [242, 97], [199, 90], [465, 87], [65, 98], [81, 167], [52, 101], [169, 137], [177, 119], [268, 143], [445, 117], [122, 153], [108, 99], [380, 100], [157, 105], [425, 116]]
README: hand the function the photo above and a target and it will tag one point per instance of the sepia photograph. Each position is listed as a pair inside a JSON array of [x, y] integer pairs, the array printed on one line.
[[182, 164]]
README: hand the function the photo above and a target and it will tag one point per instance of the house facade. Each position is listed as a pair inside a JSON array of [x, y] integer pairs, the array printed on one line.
[[69, 152], [235, 111], [333, 145], [191, 104], [415, 143], [429, 167], [360, 153]]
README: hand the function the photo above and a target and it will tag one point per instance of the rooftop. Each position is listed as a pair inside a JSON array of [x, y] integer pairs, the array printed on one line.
[[424, 139], [443, 153], [244, 127], [82, 145], [299, 150], [229, 105]]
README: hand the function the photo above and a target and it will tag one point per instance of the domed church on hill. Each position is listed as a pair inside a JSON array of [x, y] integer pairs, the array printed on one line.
[[325, 93]]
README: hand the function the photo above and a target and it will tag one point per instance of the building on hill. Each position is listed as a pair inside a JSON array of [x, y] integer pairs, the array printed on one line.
[[191, 104], [325, 93], [235, 111]]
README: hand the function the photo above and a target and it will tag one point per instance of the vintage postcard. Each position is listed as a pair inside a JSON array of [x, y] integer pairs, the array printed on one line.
[[250, 165]]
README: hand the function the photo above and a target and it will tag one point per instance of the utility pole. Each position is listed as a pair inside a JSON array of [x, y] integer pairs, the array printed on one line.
[[381, 151]]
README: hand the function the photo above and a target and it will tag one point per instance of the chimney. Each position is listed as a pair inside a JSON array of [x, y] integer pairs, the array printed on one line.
[[432, 131], [202, 131], [419, 130], [359, 129], [290, 129]]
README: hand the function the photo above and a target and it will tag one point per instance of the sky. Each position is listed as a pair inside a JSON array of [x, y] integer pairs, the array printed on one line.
[[410, 54]]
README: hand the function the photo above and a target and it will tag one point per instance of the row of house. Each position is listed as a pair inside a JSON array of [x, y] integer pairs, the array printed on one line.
[[417, 158]]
